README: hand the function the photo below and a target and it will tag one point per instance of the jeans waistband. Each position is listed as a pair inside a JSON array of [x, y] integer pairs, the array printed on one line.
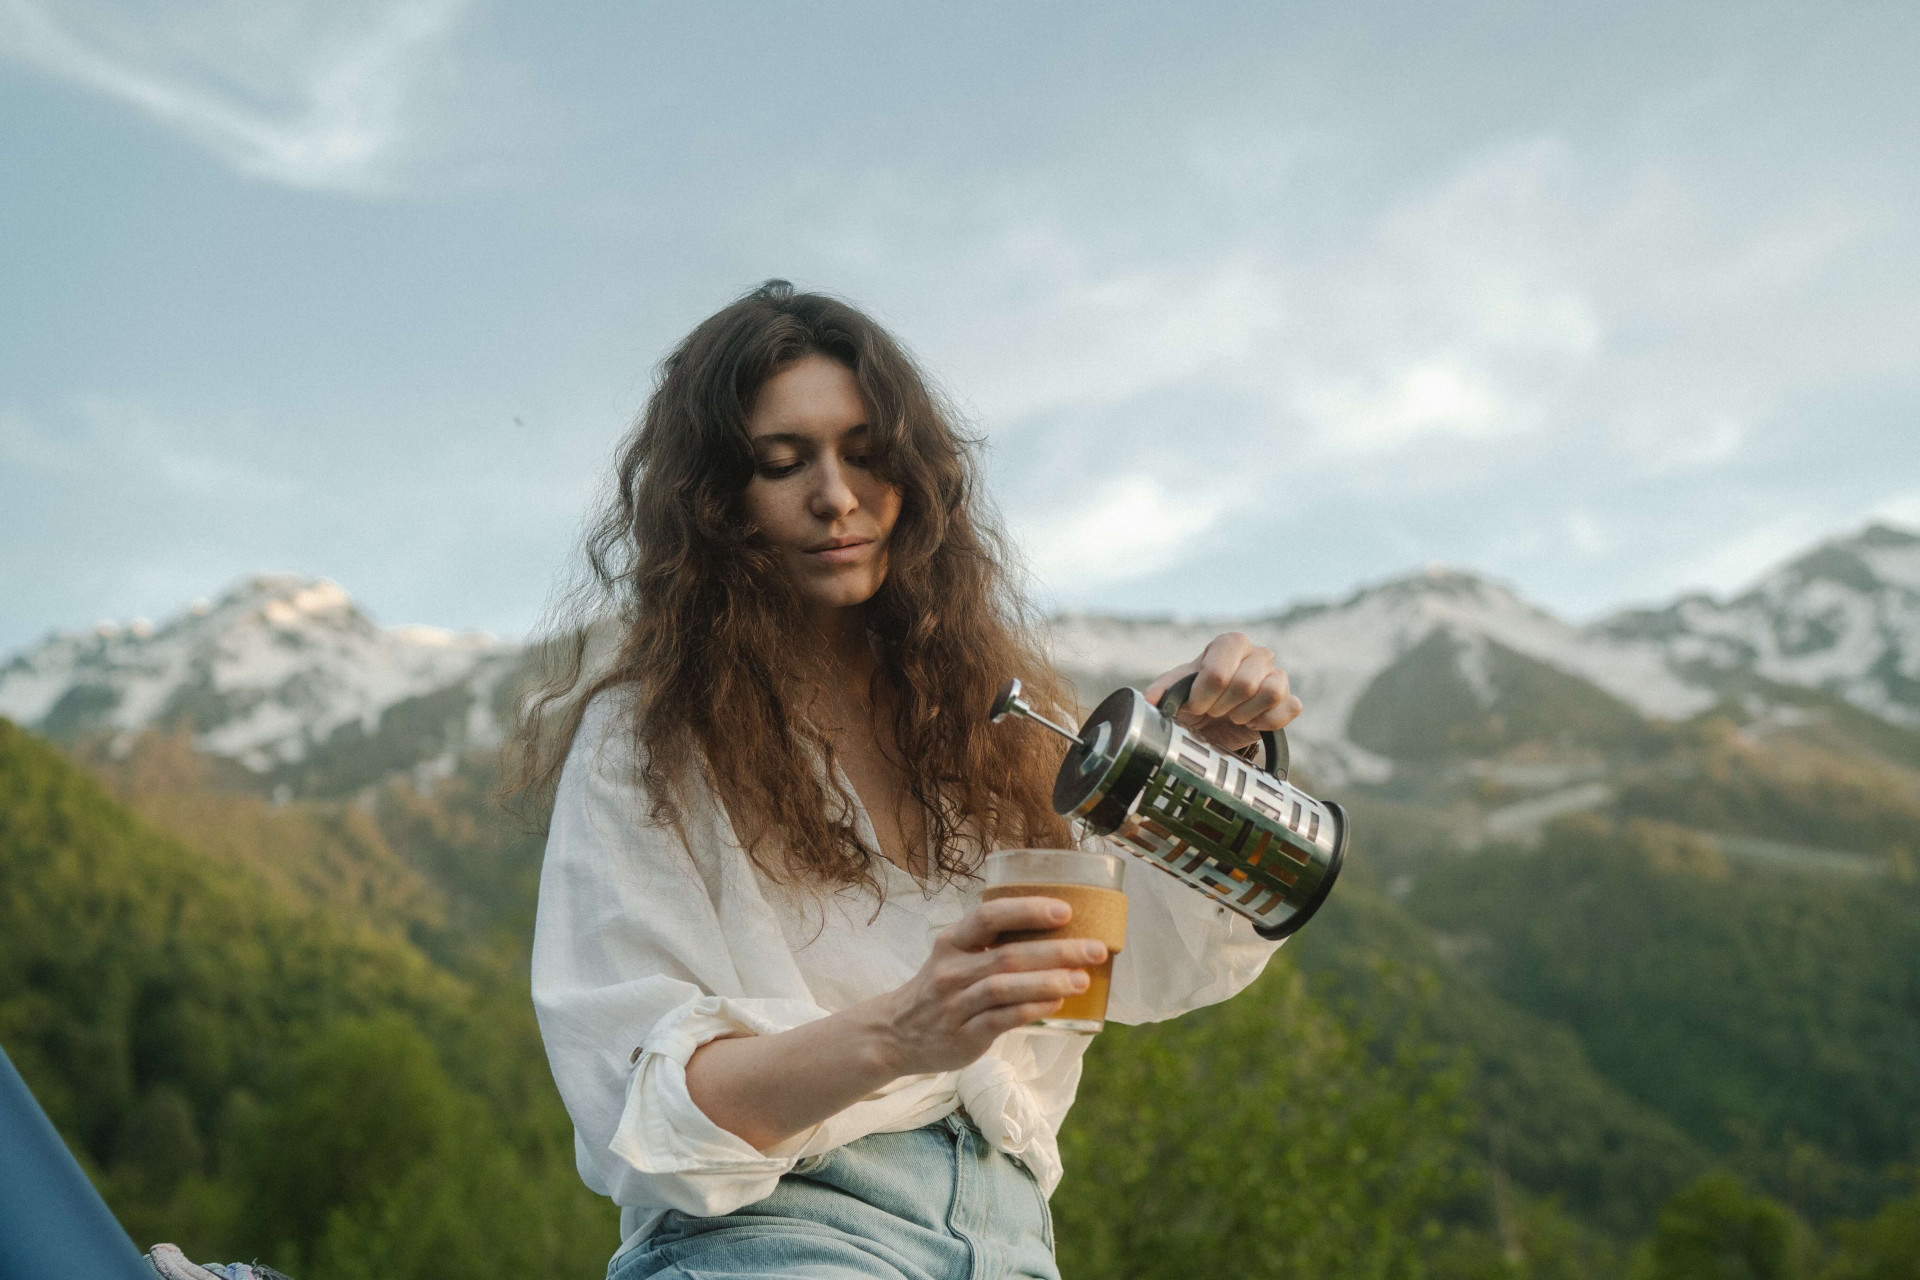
[[957, 1122]]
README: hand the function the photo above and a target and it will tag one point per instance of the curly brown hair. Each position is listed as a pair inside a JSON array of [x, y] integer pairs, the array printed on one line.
[[703, 624]]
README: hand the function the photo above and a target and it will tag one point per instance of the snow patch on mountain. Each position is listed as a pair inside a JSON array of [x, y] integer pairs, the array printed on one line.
[[1844, 618], [278, 666]]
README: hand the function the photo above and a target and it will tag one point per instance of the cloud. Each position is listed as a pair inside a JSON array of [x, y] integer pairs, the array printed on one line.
[[1587, 533], [1434, 397], [1528, 328], [98, 443], [1132, 527], [309, 95], [1037, 308], [1458, 312], [1105, 336], [1667, 444], [1526, 309]]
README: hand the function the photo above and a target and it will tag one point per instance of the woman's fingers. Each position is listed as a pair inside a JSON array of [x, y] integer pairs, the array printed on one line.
[[994, 1023], [1230, 671], [1167, 679], [1271, 705], [1041, 953], [974, 988], [997, 990], [1234, 683], [1214, 673], [981, 927], [1266, 693], [1241, 684]]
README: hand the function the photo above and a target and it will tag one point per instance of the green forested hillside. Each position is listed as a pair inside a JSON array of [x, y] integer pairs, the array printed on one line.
[[1269, 1136], [443, 869], [299, 1032], [267, 1066], [1729, 940], [1818, 785], [254, 1080], [1772, 1015], [1543, 1116]]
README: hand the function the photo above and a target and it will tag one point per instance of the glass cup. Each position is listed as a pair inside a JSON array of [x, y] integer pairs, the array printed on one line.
[[1090, 884]]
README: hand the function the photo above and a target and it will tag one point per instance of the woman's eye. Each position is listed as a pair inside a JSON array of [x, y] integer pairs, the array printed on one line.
[[775, 470], [861, 460]]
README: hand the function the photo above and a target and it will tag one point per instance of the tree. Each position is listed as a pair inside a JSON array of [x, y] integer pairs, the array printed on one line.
[[1261, 1137], [1884, 1247], [1712, 1229]]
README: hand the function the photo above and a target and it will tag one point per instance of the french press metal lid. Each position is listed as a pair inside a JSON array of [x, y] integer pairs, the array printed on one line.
[[1245, 837]]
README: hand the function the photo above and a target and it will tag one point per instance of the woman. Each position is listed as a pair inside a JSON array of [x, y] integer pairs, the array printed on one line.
[[767, 986]]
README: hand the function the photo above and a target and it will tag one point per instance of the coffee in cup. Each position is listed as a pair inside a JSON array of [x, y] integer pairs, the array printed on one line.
[[1089, 883]]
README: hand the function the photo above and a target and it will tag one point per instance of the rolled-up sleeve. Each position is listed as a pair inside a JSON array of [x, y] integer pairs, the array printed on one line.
[[674, 1154], [631, 974], [1183, 949]]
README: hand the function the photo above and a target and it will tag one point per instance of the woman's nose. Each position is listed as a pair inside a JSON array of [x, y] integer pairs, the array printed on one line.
[[832, 497]]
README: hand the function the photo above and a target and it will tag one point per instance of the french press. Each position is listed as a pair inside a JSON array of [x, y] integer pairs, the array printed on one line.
[[1246, 837]]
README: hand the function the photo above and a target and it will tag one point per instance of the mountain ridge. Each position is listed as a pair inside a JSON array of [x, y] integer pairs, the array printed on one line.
[[289, 677]]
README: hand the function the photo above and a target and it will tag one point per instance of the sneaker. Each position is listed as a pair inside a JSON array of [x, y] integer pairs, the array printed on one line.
[[169, 1263]]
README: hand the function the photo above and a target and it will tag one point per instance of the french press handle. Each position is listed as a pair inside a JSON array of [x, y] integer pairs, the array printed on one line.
[[1279, 755]]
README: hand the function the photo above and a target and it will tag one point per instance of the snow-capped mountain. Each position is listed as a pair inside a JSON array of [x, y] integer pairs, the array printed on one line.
[[1844, 618], [1335, 653], [280, 672], [288, 677]]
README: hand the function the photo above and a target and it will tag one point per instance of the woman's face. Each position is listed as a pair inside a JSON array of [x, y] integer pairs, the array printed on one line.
[[814, 495]]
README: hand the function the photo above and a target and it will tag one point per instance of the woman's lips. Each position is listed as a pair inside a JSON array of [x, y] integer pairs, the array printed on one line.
[[846, 553]]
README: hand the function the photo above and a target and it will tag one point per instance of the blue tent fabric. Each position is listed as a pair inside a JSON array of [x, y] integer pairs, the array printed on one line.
[[52, 1221]]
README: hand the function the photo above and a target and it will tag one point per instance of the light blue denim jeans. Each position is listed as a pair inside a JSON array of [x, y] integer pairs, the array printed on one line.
[[939, 1203]]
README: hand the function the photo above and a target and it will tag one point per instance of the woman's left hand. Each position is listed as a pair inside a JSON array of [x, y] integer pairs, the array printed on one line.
[[1237, 692]]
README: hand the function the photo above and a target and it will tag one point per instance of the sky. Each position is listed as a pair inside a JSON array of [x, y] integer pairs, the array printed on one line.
[[1250, 304]]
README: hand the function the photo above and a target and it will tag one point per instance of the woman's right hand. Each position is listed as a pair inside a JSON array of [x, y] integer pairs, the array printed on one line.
[[970, 992], [766, 1088]]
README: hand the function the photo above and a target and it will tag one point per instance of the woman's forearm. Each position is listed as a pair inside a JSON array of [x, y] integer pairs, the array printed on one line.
[[970, 992], [768, 1088]]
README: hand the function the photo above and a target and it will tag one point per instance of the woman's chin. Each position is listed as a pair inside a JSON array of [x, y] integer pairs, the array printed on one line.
[[839, 595], [843, 587]]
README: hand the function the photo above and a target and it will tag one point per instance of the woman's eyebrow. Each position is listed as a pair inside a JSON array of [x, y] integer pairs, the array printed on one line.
[[800, 438], [783, 437]]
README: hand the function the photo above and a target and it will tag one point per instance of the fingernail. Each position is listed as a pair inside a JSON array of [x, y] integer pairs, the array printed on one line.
[[1095, 951], [1079, 980], [1058, 910]]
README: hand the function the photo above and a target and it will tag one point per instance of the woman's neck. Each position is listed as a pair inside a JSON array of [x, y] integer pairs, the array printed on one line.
[[847, 653], [844, 710]]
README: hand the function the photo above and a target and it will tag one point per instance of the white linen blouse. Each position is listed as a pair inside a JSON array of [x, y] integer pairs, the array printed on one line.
[[648, 943]]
